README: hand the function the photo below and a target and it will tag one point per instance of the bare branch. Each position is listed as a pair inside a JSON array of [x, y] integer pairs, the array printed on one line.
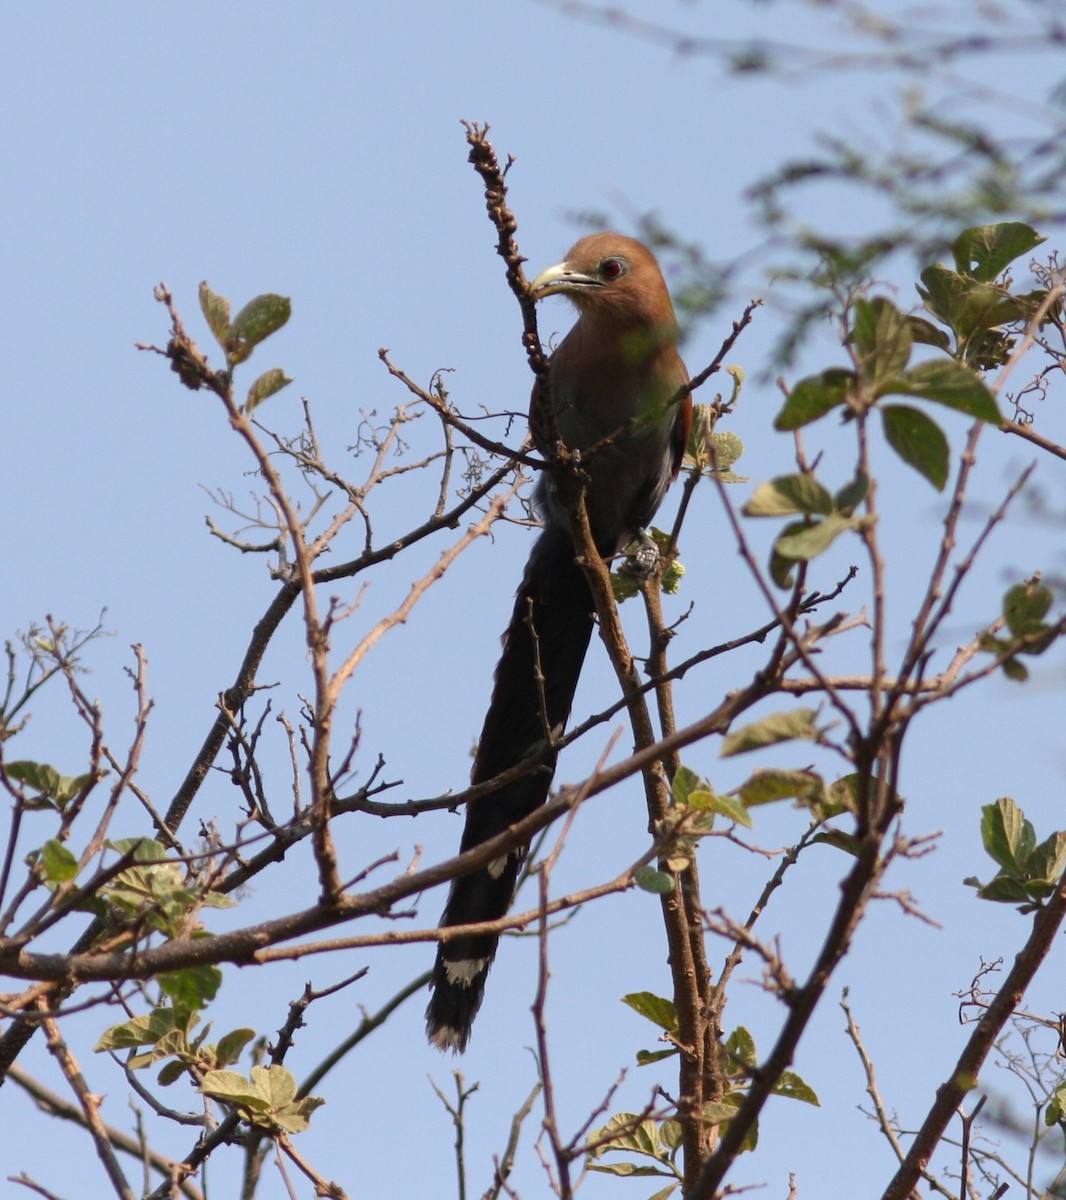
[[90, 1107], [56, 1106]]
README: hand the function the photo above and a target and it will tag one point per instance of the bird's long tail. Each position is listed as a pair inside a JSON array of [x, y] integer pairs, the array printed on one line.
[[543, 651]]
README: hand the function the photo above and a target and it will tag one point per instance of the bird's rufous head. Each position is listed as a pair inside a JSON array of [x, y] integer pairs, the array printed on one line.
[[608, 275]]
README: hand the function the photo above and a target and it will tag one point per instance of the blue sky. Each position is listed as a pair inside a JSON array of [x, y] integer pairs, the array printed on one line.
[[316, 150]]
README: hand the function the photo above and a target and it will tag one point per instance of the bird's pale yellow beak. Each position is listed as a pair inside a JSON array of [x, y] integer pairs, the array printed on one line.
[[561, 278]]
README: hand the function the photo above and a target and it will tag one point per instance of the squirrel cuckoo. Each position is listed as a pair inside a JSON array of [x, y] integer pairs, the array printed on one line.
[[615, 373]]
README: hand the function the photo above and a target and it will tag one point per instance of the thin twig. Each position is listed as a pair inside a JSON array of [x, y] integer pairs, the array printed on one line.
[[1045, 927], [56, 1106], [90, 1107]]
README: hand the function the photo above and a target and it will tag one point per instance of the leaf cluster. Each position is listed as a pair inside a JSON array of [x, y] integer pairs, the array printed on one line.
[[47, 788], [976, 314], [239, 336], [695, 804], [1029, 872], [975, 317], [713, 452], [167, 1034], [974, 300], [659, 1141], [824, 516], [267, 1099], [1025, 605]]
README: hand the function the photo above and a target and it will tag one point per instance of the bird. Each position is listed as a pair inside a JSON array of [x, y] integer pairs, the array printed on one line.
[[615, 382]]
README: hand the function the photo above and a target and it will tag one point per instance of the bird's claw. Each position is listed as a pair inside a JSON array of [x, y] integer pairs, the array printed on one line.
[[641, 555]]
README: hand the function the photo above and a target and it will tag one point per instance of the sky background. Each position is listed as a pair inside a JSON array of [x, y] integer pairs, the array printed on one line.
[[316, 150]]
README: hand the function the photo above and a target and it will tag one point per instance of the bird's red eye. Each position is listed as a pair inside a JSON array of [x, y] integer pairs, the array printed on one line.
[[612, 268]]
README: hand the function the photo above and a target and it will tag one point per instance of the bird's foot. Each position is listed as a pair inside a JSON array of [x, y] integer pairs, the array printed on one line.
[[641, 555]]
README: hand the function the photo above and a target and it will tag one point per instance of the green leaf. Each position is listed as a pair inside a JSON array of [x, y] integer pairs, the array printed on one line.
[[684, 784], [928, 334], [174, 1041], [852, 494], [152, 885], [146, 1030], [657, 1009], [230, 1047], [1005, 889], [813, 397], [734, 1100], [137, 1062], [950, 383], [984, 308], [718, 1112], [40, 777], [144, 849], [276, 1083], [644, 1057], [256, 321], [882, 339], [672, 1134], [842, 795], [72, 785], [986, 251], [651, 880], [728, 448], [663, 1193], [944, 293], [1007, 836], [1025, 606], [1039, 890], [709, 451], [732, 808], [810, 540], [740, 1046], [294, 1118], [769, 784], [1014, 670], [1048, 860], [781, 568], [56, 864], [792, 1086], [789, 494], [233, 1087], [1026, 842], [55, 790], [778, 727], [1053, 1114], [171, 1072], [624, 586], [265, 386], [627, 1132], [625, 1169], [191, 987], [672, 576], [216, 313], [918, 440], [839, 840]]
